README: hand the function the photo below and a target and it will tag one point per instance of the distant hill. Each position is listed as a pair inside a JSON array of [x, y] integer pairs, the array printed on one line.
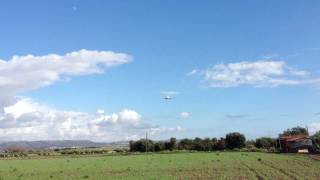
[[39, 145]]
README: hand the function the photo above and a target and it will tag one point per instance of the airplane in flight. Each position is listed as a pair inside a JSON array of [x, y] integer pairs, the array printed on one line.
[[167, 98]]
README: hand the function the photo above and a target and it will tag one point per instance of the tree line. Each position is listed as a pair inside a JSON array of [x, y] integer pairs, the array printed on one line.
[[231, 141]]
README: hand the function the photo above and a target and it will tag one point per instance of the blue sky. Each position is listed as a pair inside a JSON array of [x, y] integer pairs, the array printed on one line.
[[167, 40]]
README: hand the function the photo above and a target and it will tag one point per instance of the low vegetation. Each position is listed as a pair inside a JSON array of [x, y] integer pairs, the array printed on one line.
[[231, 157], [201, 165]]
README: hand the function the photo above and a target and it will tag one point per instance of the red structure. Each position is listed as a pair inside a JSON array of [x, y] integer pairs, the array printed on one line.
[[295, 143]]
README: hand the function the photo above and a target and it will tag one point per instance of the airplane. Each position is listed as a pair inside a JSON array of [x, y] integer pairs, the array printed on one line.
[[167, 98]]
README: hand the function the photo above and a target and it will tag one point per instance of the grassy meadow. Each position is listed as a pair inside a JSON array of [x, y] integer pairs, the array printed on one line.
[[215, 165]]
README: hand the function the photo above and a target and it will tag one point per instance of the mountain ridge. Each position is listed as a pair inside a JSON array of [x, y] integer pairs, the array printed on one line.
[[60, 144]]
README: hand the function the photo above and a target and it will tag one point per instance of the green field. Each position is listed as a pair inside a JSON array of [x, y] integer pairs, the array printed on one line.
[[226, 165]]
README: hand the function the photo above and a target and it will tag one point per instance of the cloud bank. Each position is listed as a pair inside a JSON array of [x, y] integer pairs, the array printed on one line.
[[22, 118], [257, 73]]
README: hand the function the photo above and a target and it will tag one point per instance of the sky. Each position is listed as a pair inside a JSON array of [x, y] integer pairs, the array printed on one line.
[[100, 70]]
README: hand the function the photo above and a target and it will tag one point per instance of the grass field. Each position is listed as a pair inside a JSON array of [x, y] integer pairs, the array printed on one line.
[[226, 165]]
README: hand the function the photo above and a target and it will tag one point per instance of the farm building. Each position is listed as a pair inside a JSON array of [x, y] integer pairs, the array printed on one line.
[[295, 143]]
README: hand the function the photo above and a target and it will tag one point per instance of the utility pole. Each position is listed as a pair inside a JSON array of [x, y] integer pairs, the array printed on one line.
[[280, 144], [146, 141]]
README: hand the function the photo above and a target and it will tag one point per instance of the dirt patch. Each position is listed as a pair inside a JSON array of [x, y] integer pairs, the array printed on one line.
[[315, 157]]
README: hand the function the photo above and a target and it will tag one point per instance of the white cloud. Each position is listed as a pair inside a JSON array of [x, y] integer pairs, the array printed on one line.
[[169, 93], [22, 73], [257, 74], [158, 130], [185, 115], [129, 116], [271, 56], [100, 111], [194, 71], [314, 127], [299, 72], [236, 116]]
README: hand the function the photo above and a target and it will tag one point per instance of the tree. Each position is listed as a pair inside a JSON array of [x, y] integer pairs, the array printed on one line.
[[159, 146], [295, 131], [171, 145], [141, 146], [250, 143], [316, 139], [197, 144], [138, 146], [214, 142], [131, 146], [220, 145], [207, 144], [265, 142], [235, 140], [185, 144]]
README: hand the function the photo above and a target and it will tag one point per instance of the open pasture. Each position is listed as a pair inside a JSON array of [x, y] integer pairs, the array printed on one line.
[[215, 165]]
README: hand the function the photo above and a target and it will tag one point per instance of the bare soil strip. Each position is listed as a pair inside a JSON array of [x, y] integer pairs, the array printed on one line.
[[315, 157]]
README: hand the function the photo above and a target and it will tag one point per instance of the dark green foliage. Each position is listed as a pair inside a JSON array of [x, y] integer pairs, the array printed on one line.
[[141, 145], [171, 145], [265, 142], [235, 140], [221, 144], [316, 139], [198, 144], [295, 131], [185, 144], [250, 143], [159, 146], [208, 144]]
